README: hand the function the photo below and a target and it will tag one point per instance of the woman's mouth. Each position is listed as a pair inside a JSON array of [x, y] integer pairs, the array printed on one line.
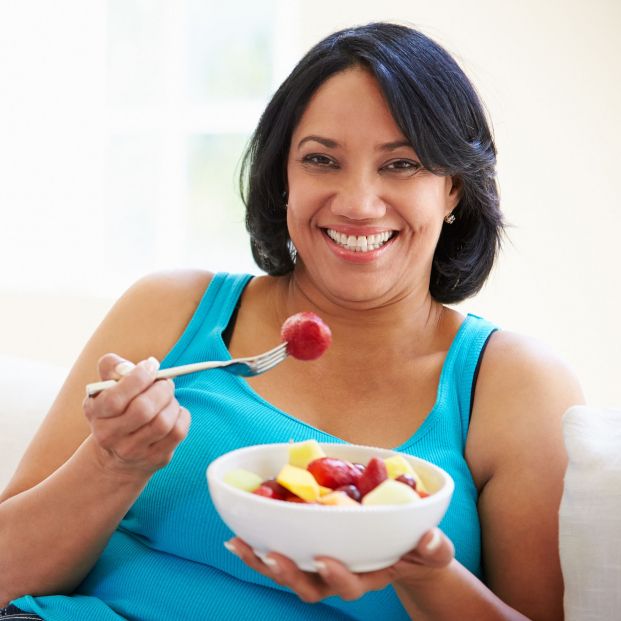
[[360, 243]]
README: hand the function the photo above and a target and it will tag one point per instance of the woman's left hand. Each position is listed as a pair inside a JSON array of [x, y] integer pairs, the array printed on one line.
[[433, 552]]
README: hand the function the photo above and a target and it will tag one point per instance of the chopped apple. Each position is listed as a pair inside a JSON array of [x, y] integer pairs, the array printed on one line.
[[243, 479], [302, 453], [299, 482], [391, 492], [340, 499], [397, 465]]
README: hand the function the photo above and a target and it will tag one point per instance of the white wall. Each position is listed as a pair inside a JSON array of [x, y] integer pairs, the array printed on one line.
[[548, 74]]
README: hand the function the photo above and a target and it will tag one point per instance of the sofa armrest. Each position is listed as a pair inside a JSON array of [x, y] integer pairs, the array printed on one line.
[[27, 389], [590, 514]]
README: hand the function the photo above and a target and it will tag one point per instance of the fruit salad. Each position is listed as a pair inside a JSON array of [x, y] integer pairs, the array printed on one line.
[[311, 476]]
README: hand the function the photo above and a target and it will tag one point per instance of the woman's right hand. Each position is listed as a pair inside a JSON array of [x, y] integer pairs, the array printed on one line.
[[136, 424]]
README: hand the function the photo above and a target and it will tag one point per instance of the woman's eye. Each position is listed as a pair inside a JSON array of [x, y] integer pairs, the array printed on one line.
[[319, 160], [404, 166]]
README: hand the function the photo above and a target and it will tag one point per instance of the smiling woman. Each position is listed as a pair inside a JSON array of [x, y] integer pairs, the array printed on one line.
[[366, 181], [371, 201], [440, 133]]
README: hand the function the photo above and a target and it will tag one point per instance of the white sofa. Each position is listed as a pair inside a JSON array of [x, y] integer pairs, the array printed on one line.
[[590, 513], [27, 389]]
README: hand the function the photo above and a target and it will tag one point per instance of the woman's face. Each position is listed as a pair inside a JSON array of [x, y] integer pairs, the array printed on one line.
[[363, 214]]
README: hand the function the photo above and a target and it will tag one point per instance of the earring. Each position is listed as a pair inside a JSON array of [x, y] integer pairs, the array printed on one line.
[[284, 198], [450, 218]]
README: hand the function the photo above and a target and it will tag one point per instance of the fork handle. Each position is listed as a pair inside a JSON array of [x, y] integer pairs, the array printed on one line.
[[92, 390]]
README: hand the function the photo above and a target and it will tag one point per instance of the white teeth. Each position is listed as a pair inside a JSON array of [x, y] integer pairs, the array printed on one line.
[[362, 243]]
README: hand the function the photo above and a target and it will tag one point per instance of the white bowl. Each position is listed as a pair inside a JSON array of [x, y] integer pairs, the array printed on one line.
[[363, 538]]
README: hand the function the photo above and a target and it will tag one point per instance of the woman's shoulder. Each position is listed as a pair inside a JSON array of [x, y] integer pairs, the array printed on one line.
[[511, 359], [523, 389], [155, 310], [171, 287]]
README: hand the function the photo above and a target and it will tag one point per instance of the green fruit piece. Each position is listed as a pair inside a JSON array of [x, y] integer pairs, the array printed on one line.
[[243, 479], [302, 453], [299, 482], [391, 492]]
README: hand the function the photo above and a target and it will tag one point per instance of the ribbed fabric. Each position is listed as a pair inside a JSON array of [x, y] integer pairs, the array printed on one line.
[[166, 560]]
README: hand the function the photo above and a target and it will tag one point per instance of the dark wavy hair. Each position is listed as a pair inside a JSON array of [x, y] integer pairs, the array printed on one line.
[[439, 112]]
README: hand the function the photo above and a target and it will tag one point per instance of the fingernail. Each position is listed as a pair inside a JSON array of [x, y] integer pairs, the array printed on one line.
[[153, 364], [231, 548], [321, 567], [434, 542], [272, 563], [123, 368]]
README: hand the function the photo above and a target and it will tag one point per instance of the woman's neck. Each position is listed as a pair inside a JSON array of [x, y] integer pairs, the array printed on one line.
[[405, 324]]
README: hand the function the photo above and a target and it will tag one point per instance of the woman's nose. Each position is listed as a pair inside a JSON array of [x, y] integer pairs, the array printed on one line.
[[358, 200]]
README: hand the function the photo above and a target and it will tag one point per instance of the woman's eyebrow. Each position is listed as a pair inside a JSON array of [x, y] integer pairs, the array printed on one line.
[[333, 144], [326, 142], [397, 144]]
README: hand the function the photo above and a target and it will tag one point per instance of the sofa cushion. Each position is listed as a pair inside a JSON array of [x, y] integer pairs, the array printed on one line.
[[590, 514], [27, 389]]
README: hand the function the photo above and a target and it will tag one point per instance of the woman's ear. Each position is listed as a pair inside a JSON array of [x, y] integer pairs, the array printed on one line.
[[455, 192]]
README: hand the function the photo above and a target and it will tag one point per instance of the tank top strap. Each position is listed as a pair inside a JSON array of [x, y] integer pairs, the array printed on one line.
[[201, 339], [462, 366]]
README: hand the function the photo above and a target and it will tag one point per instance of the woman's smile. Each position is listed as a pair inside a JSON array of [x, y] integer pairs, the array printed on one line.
[[358, 245]]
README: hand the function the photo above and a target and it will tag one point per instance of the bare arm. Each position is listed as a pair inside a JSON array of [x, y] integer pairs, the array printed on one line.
[[517, 454], [81, 473]]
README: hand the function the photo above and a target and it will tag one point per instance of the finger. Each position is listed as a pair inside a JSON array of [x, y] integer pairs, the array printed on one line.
[[176, 435], [309, 586], [241, 549], [140, 412], [281, 570], [114, 400], [351, 585], [434, 549], [161, 453], [113, 366], [146, 407], [151, 433]]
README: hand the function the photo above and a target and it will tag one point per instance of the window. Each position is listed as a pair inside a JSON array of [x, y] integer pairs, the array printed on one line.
[[156, 101]]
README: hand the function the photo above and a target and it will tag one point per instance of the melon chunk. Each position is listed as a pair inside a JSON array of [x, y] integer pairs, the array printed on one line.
[[391, 492], [302, 453], [299, 482], [243, 479]]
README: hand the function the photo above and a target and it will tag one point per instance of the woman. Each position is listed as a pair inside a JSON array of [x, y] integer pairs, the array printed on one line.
[[371, 200]]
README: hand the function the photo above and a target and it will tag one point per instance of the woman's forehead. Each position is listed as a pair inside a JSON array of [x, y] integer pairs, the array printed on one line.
[[348, 104]]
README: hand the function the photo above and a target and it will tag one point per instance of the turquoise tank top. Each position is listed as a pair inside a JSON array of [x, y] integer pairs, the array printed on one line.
[[166, 559]]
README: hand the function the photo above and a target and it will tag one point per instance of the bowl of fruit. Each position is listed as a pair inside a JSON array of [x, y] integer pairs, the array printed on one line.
[[364, 506]]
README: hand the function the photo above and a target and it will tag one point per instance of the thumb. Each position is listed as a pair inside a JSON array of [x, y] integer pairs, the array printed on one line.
[[434, 549], [113, 367]]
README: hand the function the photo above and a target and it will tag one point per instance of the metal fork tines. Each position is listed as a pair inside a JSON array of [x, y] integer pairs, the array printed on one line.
[[248, 367], [245, 367]]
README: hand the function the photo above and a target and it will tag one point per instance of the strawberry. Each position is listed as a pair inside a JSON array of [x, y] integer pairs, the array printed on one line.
[[373, 475], [306, 335]]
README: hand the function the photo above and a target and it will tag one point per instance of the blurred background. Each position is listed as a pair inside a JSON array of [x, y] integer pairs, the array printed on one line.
[[122, 123]]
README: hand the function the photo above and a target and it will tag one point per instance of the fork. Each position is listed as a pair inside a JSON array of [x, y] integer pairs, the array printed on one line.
[[245, 367]]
